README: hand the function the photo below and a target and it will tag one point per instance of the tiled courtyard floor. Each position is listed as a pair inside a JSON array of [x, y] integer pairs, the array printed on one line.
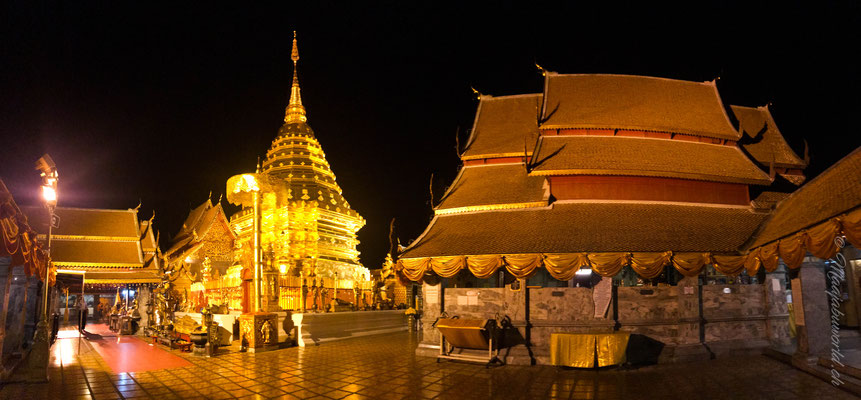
[[385, 367]]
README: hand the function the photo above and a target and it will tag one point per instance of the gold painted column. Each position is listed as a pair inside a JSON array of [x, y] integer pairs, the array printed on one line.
[[258, 329]]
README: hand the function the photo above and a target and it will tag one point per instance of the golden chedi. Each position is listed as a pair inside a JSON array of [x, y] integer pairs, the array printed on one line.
[[308, 228]]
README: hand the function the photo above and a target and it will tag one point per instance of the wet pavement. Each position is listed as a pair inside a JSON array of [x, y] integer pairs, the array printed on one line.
[[385, 367]]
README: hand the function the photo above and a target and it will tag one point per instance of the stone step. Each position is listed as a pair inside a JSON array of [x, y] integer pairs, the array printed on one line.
[[844, 369], [851, 383]]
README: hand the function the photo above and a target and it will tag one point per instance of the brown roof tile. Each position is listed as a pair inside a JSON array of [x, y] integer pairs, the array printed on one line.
[[199, 222], [148, 243], [768, 200], [833, 192], [493, 184], [503, 125], [769, 144], [588, 227], [607, 155], [635, 102], [86, 222], [90, 252]]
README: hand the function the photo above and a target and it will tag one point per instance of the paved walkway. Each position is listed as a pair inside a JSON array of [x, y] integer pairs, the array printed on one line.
[[385, 367]]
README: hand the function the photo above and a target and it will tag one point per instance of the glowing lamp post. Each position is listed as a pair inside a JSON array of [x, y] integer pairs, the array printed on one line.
[[37, 362]]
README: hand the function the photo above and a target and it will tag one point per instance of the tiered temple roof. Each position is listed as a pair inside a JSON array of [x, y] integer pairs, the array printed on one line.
[[668, 135], [111, 245]]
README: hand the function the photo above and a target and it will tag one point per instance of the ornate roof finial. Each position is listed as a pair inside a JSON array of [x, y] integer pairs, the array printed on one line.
[[295, 110]]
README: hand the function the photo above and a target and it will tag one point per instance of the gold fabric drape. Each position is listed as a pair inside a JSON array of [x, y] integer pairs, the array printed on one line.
[[820, 239], [580, 350], [572, 350], [484, 266], [752, 263], [729, 265], [608, 264], [414, 268], [650, 265], [522, 266], [851, 223], [690, 264], [447, 267], [611, 348], [792, 251], [768, 256], [564, 266]]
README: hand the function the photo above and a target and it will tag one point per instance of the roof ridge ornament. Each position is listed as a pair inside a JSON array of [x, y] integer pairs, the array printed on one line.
[[295, 112], [476, 93], [541, 69]]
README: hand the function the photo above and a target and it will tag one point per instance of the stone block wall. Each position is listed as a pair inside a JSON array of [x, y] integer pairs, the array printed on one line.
[[749, 316]]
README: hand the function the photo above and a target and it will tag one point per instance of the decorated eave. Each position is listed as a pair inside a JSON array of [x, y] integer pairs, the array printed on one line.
[[504, 126], [18, 239], [766, 144], [569, 235], [604, 101], [631, 156]]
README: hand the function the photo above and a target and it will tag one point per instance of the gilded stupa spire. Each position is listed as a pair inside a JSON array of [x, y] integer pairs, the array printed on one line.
[[295, 110]]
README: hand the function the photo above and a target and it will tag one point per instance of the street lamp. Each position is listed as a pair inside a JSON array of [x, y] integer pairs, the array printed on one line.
[[37, 363], [48, 172]]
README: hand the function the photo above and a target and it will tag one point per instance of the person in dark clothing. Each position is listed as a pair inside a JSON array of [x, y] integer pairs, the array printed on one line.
[[82, 312]]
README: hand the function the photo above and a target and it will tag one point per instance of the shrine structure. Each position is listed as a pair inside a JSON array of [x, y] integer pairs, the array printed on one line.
[[615, 203], [291, 249]]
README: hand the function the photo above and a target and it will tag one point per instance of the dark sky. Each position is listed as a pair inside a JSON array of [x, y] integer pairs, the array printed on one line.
[[161, 103]]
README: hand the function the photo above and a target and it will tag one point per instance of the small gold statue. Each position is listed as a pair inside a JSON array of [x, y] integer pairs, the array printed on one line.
[[265, 329]]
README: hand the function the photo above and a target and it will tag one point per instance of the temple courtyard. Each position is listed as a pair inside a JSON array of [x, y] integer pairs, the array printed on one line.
[[386, 367]]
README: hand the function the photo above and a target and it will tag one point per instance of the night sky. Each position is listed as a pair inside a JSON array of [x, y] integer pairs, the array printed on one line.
[[159, 104]]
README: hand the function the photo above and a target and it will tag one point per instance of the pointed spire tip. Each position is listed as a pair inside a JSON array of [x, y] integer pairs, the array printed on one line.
[[295, 112]]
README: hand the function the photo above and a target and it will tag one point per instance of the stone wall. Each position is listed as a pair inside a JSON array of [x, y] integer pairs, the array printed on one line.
[[733, 317]]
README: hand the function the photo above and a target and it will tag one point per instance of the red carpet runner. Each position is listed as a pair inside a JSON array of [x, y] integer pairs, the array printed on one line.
[[132, 354]]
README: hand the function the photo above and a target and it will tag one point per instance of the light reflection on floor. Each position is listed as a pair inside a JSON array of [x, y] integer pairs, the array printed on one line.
[[386, 367], [66, 348]]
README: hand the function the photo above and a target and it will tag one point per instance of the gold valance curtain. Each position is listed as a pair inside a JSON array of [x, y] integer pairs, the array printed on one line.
[[564, 266], [851, 224], [522, 266], [447, 267], [690, 264], [484, 266], [609, 264], [650, 265]]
